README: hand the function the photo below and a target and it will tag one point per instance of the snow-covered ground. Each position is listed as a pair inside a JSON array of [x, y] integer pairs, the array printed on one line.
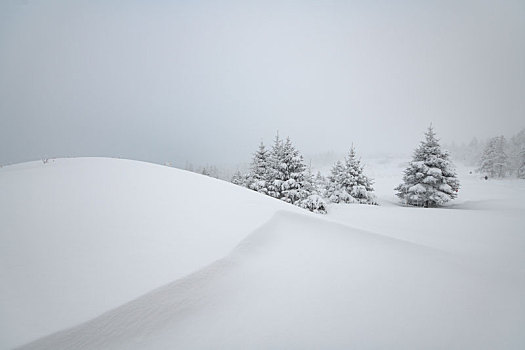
[[115, 254]]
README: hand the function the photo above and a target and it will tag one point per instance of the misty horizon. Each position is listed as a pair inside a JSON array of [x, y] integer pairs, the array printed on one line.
[[204, 83]]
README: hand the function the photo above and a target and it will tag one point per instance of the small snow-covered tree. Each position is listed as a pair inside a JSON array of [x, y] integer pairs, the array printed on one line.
[[314, 200], [494, 160], [335, 191], [348, 183], [239, 179], [314, 203], [430, 178], [259, 170], [355, 182]]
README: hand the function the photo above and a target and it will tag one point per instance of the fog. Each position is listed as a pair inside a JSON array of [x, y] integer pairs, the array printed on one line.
[[205, 82]]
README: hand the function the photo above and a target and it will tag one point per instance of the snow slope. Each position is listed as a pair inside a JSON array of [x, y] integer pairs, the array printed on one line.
[[300, 282], [82, 236], [381, 277]]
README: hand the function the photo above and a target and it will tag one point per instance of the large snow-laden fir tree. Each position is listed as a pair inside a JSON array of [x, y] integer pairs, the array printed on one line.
[[494, 160], [348, 183], [430, 179]]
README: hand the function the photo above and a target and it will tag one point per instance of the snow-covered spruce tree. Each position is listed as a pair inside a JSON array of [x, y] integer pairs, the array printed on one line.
[[275, 163], [355, 182], [348, 183], [239, 179], [287, 179], [494, 161], [430, 179], [314, 201], [335, 192], [292, 174], [517, 154], [259, 170], [521, 169]]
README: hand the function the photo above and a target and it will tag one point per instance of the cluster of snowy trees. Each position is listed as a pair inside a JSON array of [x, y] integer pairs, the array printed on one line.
[[501, 158], [281, 173], [495, 157], [430, 178]]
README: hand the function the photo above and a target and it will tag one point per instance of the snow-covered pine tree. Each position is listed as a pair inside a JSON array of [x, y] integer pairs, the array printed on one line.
[[521, 169], [274, 175], [309, 181], [517, 154], [314, 202], [292, 174], [239, 179], [348, 183], [259, 170], [430, 179], [335, 192], [494, 161], [355, 182]]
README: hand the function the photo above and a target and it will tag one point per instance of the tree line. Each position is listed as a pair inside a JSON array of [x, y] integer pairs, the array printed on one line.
[[280, 172], [429, 180], [496, 157]]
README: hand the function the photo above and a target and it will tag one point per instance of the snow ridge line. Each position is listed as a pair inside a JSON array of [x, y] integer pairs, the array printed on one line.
[[168, 304]]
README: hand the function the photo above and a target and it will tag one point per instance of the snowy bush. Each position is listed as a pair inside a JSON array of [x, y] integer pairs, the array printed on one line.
[[314, 203]]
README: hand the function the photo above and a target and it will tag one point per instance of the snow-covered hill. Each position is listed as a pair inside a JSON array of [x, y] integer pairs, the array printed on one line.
[[83, 238]]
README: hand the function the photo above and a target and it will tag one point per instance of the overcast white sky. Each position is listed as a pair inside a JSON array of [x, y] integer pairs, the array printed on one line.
[[205, 81]]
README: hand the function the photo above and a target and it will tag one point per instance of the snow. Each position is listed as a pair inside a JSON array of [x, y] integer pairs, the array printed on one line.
[[419, 188], [94, 234], [435, 172], [82, 236]]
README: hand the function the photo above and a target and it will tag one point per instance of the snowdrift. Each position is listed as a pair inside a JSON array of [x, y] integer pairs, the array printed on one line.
[[82, 236], [302, 283], [114, 254]]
